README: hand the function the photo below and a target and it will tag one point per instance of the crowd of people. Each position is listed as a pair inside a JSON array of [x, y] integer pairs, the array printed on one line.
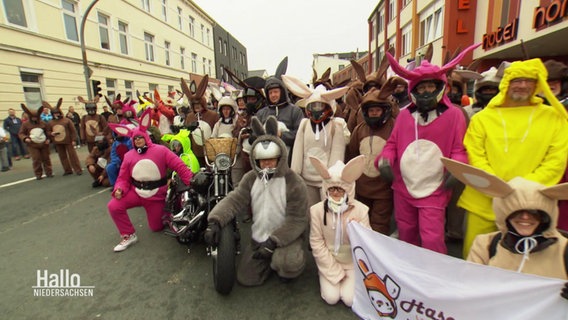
[[312, 159]]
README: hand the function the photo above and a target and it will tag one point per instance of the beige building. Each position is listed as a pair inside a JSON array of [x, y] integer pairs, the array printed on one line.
[[130, 45]]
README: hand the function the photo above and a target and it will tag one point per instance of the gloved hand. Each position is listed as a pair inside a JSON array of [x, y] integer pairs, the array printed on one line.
[[450, 182], [212, 233], [265, 250], [385, 170], [193, 125], [564, 292]]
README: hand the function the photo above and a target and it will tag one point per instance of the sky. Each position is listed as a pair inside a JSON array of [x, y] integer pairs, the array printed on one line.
[[273, 29]]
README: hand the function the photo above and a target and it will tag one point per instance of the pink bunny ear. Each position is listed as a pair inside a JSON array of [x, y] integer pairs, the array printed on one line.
[[353, 169], [145, 119], [320, 167], [120, 129], [400, 70]]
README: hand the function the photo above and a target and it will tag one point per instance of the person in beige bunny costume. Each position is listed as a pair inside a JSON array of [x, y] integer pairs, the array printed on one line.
[[328, 228]]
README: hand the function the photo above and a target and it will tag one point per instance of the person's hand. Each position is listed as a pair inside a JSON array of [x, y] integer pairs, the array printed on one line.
[[265, 250], [211, 235], [47, 141], [564, 292], [385, 170], [118, 194], [91, 168], [27, 140], [100, 179]]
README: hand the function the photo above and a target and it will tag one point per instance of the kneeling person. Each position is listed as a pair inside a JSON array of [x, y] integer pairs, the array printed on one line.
[[278, 200]]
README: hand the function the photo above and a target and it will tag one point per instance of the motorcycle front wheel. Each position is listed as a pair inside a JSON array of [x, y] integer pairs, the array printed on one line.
[[224, 261]]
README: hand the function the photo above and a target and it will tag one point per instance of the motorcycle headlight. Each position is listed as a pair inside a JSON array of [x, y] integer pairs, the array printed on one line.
[[222, 161]]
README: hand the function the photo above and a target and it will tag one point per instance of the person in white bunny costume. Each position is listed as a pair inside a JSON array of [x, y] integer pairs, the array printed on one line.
[[319, 135], [328, 228]]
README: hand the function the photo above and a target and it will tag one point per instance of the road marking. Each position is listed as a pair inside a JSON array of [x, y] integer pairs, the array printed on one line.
[[15, 183]]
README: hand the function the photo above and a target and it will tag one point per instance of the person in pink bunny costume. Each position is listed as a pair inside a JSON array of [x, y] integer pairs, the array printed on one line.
[[431, 127], [142, 181]]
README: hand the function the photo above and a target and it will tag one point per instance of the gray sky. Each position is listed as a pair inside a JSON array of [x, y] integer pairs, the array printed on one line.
[[273, 29]]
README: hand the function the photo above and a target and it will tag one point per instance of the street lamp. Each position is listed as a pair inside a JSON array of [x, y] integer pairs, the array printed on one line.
[[86, 70]]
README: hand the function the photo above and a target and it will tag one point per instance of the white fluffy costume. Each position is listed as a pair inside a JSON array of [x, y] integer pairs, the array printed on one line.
[[279, 207], [328, 229]]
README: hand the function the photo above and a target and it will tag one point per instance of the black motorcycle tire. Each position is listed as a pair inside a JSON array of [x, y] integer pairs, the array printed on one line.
[[224, 272]]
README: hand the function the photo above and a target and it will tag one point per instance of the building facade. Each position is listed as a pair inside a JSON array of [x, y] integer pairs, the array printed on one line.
[[334, 61], [230, 54], [131, 45]]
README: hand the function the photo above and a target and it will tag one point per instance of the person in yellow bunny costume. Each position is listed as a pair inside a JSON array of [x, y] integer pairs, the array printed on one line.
[[515, 135]]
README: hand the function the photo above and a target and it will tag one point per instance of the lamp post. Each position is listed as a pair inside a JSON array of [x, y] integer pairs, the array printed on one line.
[[86, 70]]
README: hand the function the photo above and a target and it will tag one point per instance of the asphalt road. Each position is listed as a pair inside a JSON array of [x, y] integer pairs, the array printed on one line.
[[62, 223]]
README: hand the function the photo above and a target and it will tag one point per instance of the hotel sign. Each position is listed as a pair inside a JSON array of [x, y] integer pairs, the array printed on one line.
[[501, 36], [544, 16]]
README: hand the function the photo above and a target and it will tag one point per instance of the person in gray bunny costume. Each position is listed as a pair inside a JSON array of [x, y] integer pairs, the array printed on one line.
[[277, 196]]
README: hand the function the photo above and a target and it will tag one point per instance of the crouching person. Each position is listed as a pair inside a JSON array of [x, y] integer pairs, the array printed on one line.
[[278, 200], [328, 228], [142, 181]]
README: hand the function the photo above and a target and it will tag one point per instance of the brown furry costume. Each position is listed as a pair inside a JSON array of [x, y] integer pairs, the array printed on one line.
[[279, 214], [63, 136], [90, 121], [35, 133]]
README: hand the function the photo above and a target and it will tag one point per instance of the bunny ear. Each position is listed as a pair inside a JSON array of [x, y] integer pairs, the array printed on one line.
[[185, 88], [334, 94], [145, 119], [559, 191], [450, 65], [474, 65], [477, 178], [315, 76], [353, 169], [117, 97], [59, 103], [296, 86], [40, 110], [282, 67], [46, 104], [96, 100], [271, 126], [26, 110], [108, 102], [257, 127], [255, 82], [429, 53], [325, 75], [120, 129], [81, 99], [359, 70], [362, 261], [126, 100], [320, 167], [202, 86], [235, 78], [389, 86], [383, 67], [216, 91], [157, 95]]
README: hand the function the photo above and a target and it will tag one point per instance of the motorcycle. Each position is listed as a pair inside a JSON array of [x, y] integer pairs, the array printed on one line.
[[190, 206]]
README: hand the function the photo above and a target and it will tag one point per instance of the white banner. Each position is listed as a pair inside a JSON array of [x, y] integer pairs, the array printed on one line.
[[396, 280]]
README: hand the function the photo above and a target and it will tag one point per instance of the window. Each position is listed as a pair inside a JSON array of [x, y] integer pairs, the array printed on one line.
[[167, 52], [406, 39], [406, 2], [220, 45], [151, 88], [123, 37], [16, 13], [202, 33], [222, 71], [392, 41], [70, 20], [31, 82], [209, 66], [111, 88], [204, 65], [191, 27], [170, 89], [381, 54], [103, 31], [392, 10], [225, 48], [149, 46], [431, 27], [164, 10], [182, 57], [208, 39], [381, 22], [146, 5], [180, 19], [193, 62], [129, 88], [234, 53]]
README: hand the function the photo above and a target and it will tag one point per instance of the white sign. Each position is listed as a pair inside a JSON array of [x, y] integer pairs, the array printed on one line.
[[61, 284], [396, 280]]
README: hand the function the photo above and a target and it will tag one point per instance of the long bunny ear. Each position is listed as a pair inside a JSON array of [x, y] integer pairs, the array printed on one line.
[[257, 128], [81, 99], [559, 191], [400, 70], [334, 94], [389, 86], [26, 110], [59, 103], [271, 126], [325, 76], [282, 67], [384, 66], [108, 102], [296, 86], [185, 88], [145, 119], [429, 53], [120, 129], [359, 70], [46, 104], [157, 95], [477, 178], [235, 78], [320, 167], [216, 91], [353, 169], [202, 87], [315, 76], [96, 99]]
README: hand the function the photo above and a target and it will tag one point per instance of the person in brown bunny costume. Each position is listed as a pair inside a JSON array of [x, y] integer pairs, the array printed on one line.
[[90, 120], [35, 133], [63, 136]]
